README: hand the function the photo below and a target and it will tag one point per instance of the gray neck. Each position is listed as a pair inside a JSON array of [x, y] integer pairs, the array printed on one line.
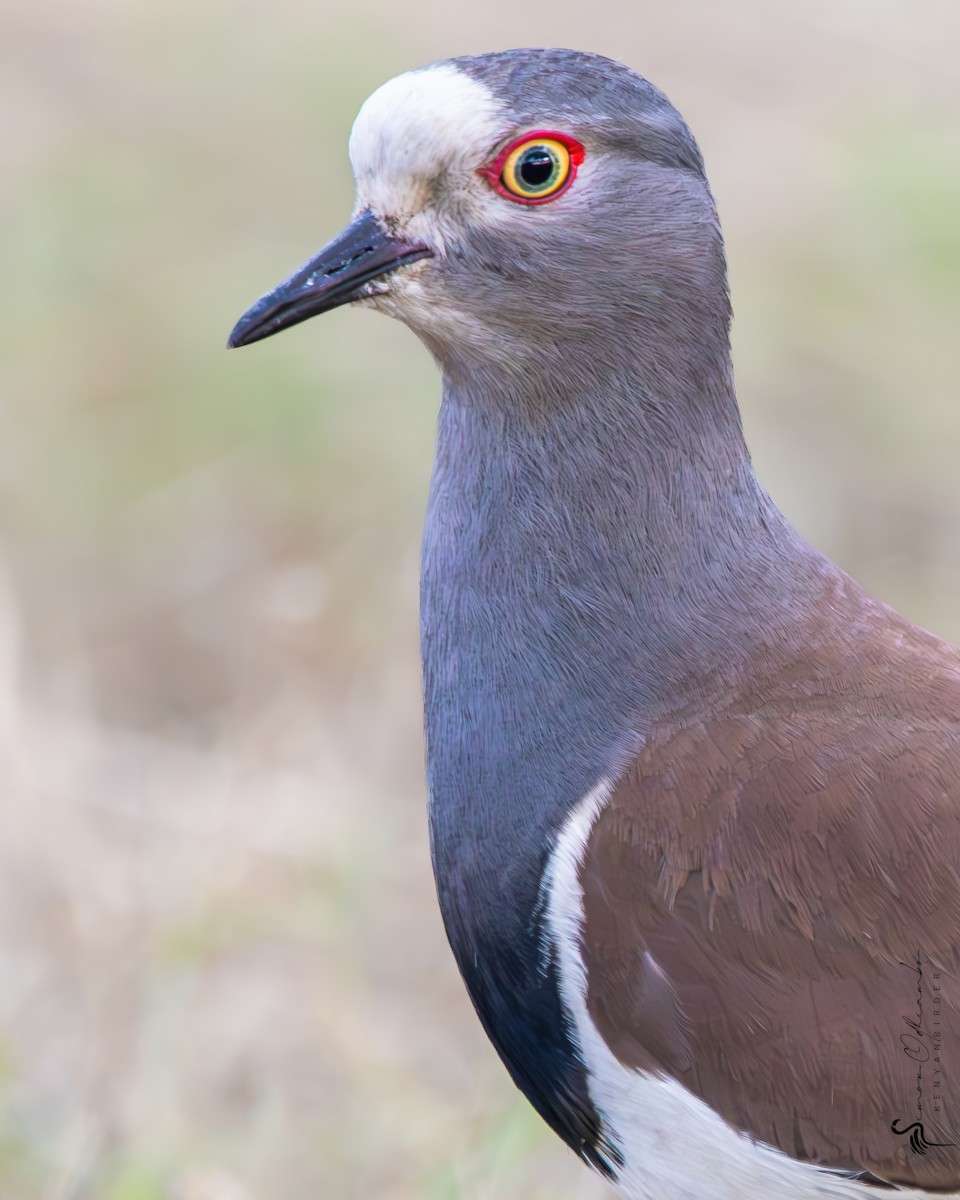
[[589, 557], [590, 545]]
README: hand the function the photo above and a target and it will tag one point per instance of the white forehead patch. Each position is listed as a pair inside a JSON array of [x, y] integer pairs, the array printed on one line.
[[413, 128]]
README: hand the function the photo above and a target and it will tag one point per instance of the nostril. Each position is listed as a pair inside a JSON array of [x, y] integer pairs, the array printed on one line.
[[342, 266]]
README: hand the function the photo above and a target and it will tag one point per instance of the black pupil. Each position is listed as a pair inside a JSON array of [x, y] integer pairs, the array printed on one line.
[[537, 166]]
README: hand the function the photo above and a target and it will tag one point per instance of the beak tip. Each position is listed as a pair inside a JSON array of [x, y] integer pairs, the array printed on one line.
[[247, 329]]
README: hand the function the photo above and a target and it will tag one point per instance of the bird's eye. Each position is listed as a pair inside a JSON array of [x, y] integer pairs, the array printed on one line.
[[536, 167], [536, 170]]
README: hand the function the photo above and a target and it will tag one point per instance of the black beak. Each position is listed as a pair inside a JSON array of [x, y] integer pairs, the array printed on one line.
[[337, 275]]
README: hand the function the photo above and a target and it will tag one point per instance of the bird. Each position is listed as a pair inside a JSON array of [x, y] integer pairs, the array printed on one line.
[[693, 793]]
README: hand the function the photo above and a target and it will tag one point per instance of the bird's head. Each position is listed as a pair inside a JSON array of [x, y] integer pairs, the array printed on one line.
[[514, 201]]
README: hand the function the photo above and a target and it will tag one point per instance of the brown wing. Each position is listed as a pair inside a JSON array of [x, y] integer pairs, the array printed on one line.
[[774, 889]]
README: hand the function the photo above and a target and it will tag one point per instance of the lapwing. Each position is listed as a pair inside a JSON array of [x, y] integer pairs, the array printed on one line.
[[694, 795]]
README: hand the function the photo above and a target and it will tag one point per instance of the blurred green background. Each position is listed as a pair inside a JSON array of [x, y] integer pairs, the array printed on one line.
[[222, 973]]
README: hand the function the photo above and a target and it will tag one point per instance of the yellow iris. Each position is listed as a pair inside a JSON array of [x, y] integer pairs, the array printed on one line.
[[536, 169]]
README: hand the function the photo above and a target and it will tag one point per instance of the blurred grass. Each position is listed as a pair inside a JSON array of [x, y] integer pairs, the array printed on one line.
[[223, 974]]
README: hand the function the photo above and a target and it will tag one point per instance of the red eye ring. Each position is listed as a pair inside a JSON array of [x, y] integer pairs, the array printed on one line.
[[493, 172]]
